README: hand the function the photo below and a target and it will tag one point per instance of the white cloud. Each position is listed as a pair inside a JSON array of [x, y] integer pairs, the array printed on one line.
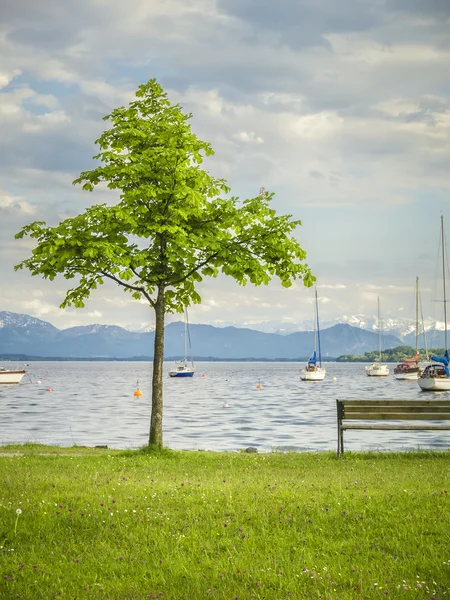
[[38, 308], [15, 204], [46, 121], [7, 77], [94, 314], [248, 137], [396, 107]]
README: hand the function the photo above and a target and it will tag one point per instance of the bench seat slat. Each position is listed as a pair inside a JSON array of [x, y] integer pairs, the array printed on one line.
[[395, 427], [398, 416], [351, 410], [388, 402]]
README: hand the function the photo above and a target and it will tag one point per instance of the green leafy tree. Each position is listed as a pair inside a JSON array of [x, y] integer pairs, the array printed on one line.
[[173, 225]]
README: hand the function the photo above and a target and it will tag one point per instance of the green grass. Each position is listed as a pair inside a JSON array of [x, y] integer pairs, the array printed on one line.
[[188, 525]]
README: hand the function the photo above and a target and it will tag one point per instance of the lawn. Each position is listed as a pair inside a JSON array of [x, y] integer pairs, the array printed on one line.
[[96, 523]]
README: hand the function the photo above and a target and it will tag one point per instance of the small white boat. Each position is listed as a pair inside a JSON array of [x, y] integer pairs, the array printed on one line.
[[10, 377], [377, 369], [436, 376], [182, 369], [314, 370], [408, 370]]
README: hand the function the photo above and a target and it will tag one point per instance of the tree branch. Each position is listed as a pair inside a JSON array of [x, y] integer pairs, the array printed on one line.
[[128, 286], [193, 270]]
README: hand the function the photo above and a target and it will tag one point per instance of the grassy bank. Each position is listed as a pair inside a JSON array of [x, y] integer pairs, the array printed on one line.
[[77, 523]]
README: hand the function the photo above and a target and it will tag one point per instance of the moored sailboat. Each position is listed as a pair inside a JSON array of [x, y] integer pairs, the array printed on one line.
[[182, 369], [436, 376], [409, 369], [377, 369], [314, 370]]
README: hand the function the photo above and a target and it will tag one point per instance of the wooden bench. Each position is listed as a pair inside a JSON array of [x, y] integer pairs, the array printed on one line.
[[364, 414]]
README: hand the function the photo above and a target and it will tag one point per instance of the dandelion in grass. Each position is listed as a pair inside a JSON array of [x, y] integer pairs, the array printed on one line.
[[18, 513]]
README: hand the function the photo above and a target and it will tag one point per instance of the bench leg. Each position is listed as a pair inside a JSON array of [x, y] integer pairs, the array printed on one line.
[[340, 441]]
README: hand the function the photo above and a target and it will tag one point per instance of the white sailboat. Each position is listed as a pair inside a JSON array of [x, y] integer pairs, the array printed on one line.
[[377, 369], [436, 376], [314, 370], [409, 369], [182, 369]]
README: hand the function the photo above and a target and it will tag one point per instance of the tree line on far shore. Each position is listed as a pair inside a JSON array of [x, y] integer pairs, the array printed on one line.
[[391, 355]]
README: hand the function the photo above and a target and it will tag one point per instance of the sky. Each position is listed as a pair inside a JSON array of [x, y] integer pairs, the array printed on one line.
[[342, 109]]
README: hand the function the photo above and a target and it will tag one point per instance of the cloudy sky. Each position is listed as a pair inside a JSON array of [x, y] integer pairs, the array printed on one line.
[[340, 108]]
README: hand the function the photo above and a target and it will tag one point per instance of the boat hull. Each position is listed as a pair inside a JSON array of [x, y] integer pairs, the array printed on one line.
[[11, 377], [434, 384], [181, 373], [377, 371], [407, 376], [316, 375]]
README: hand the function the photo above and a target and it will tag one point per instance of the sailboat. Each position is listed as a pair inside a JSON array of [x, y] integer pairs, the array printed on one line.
[[409, 367], [314, 370], [377, 369], [436, 376], [182, 369]]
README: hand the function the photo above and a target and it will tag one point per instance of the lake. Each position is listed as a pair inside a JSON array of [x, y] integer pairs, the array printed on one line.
[[92, 403]]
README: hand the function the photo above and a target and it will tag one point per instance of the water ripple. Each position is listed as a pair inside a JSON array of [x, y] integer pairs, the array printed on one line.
[[92, 403]]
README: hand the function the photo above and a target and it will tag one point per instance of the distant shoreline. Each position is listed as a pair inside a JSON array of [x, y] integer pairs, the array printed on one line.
[[26, 358]]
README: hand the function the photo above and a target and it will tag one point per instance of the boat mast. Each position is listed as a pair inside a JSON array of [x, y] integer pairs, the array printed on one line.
[[189, 339], [318, 329], [423, 329], [379, 331], [443, 279], [185, 335], [417, 316], [315, 321]]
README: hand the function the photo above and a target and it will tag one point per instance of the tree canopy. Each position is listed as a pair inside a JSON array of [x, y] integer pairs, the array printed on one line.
[[173, 225]]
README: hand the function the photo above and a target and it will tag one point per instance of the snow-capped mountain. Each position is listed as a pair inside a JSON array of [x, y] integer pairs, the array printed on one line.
[[140, 327], [398, 327], [8, 319]]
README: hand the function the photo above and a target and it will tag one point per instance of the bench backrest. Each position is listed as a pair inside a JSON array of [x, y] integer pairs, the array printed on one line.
[[414, 410]]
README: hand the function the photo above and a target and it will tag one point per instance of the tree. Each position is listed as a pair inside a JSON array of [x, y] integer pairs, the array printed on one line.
[[173, 225]]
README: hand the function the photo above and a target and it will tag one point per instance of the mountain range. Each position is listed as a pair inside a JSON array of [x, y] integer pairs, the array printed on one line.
[[398, 327], [25, 335]]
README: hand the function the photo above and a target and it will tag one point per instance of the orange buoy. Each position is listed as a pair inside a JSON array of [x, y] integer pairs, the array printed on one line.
[[204, 375], [259, 386], [138, 391], [49, 390]]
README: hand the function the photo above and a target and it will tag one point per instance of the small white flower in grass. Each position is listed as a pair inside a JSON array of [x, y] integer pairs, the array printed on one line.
[[18, 511]]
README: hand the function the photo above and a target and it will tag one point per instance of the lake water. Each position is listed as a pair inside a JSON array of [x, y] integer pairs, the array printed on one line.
[[92, 403]]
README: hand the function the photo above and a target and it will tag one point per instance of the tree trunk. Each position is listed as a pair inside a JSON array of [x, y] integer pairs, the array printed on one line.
[[156, 432]]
